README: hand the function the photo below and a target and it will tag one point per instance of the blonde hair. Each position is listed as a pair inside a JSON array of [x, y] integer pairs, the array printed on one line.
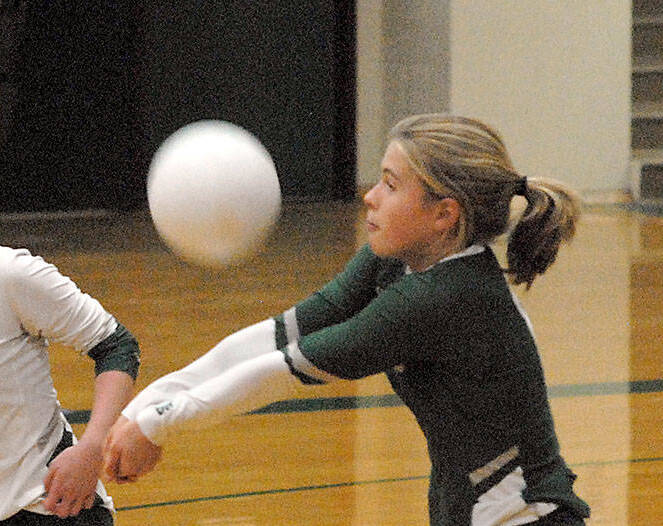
[[464, 159]]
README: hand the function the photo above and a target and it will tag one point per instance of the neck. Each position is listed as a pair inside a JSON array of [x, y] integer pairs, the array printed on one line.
[[436, 253], [471, 250]]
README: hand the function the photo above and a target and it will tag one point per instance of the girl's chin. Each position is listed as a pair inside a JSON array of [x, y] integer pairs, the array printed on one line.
[[377, 249]]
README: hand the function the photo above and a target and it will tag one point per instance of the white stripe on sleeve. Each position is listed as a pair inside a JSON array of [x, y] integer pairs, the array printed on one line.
[[291, 327], [303, 365]]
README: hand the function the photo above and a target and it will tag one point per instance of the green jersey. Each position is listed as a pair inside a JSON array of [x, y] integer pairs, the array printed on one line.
[[459, 351]]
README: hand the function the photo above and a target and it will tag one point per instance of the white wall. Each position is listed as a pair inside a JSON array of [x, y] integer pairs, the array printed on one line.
[[371, 121], [402, 68], [554, 77]]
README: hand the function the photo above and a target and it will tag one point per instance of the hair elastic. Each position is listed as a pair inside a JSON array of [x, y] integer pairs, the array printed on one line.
[[521, 187]]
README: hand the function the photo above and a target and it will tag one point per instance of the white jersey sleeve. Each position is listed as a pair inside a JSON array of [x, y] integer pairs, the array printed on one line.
[[50, 305]]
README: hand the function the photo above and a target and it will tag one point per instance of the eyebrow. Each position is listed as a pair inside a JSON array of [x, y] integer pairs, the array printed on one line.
[[390, 172]]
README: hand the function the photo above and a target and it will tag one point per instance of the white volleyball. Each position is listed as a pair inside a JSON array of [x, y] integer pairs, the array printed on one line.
[[213, 192]]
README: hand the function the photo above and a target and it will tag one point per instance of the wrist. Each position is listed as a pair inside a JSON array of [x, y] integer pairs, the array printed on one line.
[[151, 426], [93, 444]]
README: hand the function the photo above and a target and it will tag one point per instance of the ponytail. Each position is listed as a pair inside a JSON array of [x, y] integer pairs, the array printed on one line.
[[550, 217], [467, 160]]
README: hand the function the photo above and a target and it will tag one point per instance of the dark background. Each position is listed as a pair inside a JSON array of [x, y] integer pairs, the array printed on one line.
[[88, 90]]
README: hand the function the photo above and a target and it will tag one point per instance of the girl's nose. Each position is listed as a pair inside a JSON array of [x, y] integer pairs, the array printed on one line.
[[369, 198]]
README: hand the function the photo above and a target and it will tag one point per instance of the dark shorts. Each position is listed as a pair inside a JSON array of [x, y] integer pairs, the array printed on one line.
[[95, 516], [560, 517]]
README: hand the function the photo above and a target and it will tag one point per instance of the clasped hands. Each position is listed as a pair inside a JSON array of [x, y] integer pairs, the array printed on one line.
[[72, 476], [128, 453]]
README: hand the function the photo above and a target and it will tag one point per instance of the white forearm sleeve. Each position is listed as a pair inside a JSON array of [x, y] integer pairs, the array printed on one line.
[[243, 345], [244, 387]]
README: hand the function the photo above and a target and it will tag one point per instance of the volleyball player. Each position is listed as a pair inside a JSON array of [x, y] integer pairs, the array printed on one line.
[[427, 303], [47, 477]]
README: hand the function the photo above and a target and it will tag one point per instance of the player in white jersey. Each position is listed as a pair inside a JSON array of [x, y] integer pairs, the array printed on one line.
[[46, 475]]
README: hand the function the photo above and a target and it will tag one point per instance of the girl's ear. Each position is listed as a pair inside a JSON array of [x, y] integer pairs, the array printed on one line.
[[448, 215]]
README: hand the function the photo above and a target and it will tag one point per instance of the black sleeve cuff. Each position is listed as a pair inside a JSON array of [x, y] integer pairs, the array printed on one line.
[[118, 352], [281, 336]]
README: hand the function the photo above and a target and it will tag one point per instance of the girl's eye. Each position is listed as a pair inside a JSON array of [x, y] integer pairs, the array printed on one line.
[[388, 183]]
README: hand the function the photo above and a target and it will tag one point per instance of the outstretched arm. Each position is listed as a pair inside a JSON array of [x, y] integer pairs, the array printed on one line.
[[243, 345], [243, 372], [133, 446]]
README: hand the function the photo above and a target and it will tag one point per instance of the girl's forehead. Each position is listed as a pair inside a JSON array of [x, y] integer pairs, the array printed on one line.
[[397, 161], [395, 158]]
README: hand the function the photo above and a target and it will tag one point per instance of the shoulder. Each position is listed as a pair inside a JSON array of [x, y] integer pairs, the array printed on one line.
[[15, 263], [20, 271], [471, 279], [18, 261], [461, 271], [9, 253], [471, 273]]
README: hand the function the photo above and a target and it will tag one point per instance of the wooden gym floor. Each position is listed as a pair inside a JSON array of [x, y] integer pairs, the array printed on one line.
[[350, 453]]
